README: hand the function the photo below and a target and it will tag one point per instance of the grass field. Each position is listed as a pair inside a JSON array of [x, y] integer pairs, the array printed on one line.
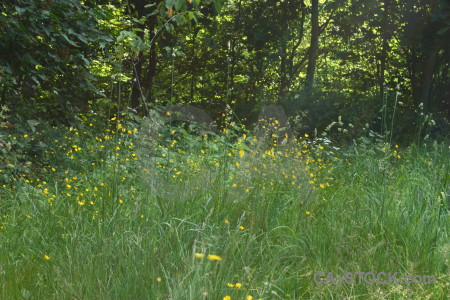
[[122, 214]]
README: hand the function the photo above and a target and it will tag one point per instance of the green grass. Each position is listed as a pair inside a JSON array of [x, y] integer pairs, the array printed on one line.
[[275, 217]]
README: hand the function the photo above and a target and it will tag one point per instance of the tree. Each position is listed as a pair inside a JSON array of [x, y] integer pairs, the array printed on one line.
[[46, 48], [142, 82], [313, 49]]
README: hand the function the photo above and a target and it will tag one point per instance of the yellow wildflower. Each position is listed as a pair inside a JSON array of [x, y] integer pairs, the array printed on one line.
[[214, 257]]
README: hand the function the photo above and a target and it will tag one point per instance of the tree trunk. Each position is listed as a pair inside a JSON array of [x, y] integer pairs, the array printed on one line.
[[136, 90], [193, 62], [427, 78], [283, 88], [143, 81], [384, 47], [293, 67], [233, 54], [313, 49]]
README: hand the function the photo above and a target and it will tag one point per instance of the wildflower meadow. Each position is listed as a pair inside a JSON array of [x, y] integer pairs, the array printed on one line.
[[126, 211]]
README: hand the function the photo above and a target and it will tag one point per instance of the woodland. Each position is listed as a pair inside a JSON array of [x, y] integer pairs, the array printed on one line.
[[316, 59]]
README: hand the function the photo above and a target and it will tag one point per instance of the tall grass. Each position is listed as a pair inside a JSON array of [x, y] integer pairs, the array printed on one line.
[[128, 222]]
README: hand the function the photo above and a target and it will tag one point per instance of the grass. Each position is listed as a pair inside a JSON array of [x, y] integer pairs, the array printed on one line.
[[114, 215]]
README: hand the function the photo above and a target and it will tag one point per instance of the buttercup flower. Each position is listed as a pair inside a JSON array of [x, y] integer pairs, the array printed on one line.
[[214, 257]]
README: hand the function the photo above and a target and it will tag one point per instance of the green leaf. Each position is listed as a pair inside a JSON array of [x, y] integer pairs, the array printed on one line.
[[35, 80], [180, 5], [68, 40], [365, 140], [196, 4], [82, 38], [86, 61], [20, 10], [169, 27], [105, 38], [7, 68], [218, 5], [32, 124], [170, 3], [179, 20]]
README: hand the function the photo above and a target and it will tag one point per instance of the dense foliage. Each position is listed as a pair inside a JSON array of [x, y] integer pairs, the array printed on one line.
[[369, 61], [46, 48]]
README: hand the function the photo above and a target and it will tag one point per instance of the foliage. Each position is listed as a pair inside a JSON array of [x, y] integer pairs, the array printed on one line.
[[113, 55], [46, 49]]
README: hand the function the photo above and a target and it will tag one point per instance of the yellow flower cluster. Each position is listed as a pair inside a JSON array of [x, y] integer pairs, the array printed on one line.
[[212, 257]]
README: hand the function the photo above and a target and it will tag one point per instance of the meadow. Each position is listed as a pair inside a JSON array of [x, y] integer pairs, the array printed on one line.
[[122, 211]]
